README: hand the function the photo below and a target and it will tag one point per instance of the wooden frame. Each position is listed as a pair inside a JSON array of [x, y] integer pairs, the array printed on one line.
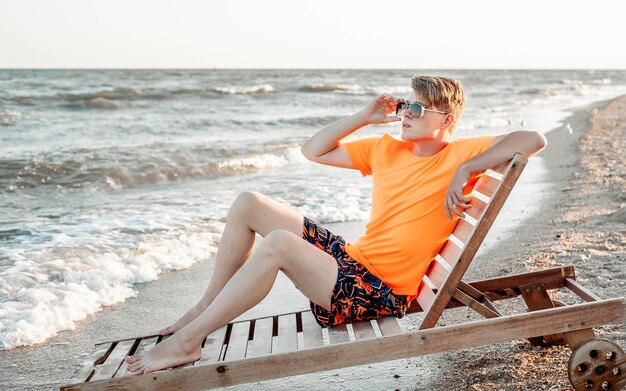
[[345, 354], [292, 344]]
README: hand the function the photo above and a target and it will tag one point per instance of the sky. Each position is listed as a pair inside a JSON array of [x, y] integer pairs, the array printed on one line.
[[490, 34]]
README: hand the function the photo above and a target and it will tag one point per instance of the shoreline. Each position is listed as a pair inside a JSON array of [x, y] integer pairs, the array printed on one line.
[[161, 302]]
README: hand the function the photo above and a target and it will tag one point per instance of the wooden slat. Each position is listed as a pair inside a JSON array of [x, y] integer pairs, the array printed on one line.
[[463, 230], [409, 344], [139, 337], [261, 343], [470, 219], [502, 168], [470, 290], [480, 196], [363, 330], [311, 330], [503, 288], [443, 262], [213, 345], [338, 334], [287, 339], [97, 356], [437, 273], [477, 295], [123, 370], [494, 174], [477, 209], [429, 283], [474, 305], [389, 326], [580, 290], [238, 341], [114, 361], [425, 297], [487, 185], [551, 278], [456, 241], [145, 344], [450, 252], [469, 251]]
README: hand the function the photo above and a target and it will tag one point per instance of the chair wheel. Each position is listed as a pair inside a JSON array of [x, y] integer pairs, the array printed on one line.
[[598, 364]]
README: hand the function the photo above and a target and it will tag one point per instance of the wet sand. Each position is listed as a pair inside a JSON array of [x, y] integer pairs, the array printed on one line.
[[580, 220]]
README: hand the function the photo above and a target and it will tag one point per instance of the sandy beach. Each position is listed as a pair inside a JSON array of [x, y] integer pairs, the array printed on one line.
[[580, 221]]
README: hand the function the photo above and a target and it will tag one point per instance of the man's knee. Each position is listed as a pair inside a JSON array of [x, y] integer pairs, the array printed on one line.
[[278, 243], [245, 204]]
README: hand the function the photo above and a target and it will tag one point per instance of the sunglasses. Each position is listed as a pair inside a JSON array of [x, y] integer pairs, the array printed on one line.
[[417, 110]]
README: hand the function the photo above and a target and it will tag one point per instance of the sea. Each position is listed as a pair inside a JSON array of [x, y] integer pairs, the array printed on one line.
[[110, 178]]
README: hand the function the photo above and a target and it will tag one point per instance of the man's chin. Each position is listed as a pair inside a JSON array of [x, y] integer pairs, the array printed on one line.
[[406, 136]]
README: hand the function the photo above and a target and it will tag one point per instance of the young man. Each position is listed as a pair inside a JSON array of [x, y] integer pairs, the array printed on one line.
[[417, 198]]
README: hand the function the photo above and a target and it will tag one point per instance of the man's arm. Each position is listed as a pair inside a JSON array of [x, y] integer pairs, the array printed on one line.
[[324, 147], [502, 149]]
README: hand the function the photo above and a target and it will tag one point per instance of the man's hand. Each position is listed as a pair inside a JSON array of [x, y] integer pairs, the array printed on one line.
[[379, 110], [454, 195]]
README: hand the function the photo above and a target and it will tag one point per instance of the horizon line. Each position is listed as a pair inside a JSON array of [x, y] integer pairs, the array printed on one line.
[[307, 68]]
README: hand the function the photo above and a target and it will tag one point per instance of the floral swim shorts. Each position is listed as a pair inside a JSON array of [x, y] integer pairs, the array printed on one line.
[[358, 294]]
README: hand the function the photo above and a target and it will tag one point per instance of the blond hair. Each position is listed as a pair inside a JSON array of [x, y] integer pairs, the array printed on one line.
[[443, 92]]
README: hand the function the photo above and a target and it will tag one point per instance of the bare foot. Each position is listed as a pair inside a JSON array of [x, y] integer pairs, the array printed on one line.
[[167, 354], [183, 321]]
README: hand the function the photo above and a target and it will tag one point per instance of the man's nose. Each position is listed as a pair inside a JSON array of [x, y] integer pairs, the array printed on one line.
[[406, 112]]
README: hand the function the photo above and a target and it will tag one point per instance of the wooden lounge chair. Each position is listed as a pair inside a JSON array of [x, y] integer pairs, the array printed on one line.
[[292, 344]]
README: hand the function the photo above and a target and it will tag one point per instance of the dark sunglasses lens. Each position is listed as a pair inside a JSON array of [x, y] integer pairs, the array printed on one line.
[[400, 107], [417, 110]]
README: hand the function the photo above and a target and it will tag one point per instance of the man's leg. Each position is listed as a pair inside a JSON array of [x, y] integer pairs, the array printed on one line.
[[311, 269], [251, 213]]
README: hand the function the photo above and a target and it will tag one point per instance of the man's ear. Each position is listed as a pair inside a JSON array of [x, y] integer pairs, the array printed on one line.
[[448, 120]]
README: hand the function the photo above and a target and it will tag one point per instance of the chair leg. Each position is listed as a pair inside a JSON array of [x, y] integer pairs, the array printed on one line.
[[594, 363], [576, 338], [537, 298]]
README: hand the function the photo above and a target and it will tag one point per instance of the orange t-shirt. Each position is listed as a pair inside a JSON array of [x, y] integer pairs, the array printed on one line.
[[408, 224]]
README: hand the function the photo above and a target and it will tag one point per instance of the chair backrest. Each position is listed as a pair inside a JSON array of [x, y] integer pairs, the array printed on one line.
[[446, 270]]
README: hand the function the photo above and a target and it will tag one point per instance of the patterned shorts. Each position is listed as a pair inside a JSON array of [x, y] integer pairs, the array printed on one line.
[[358, 294]]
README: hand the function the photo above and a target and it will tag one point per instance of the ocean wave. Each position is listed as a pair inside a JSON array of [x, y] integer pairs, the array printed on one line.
[[97, 175], [11, 234], [603, 81], [121, 93], [310, 121], [9, 118], [542, 92], [258, 89], [355, 89], [49, 294], [111, 97], [571, 81]]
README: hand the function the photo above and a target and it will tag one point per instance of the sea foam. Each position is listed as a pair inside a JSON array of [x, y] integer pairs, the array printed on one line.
[[42, 297], [257, 89], [108, 174]]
